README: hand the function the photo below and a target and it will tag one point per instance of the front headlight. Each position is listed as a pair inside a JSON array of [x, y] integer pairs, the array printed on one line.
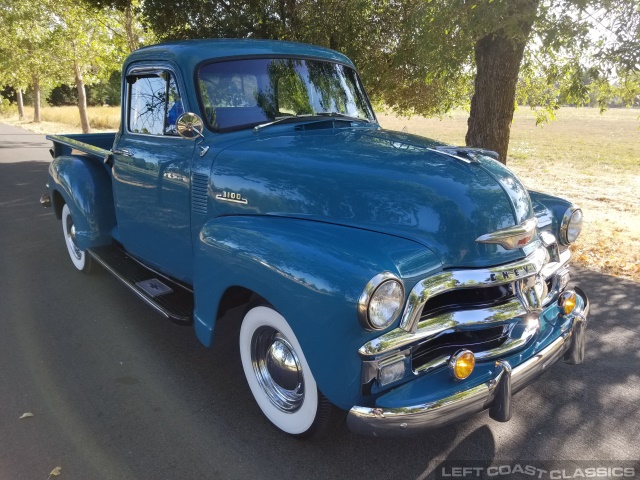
[[571, 225], [381, 301]]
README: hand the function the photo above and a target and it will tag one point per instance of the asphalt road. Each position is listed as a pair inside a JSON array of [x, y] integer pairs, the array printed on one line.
[[117, 392]]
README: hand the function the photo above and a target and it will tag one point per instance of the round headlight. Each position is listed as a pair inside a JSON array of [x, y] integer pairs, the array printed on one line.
[[381, 302], [571, 225]]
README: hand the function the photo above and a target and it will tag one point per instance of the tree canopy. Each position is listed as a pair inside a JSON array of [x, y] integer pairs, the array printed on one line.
[[53, 42], [429, 56], [415, 56]]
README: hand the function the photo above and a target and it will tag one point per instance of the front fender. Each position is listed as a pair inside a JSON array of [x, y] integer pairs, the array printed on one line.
[[549, 210], [85, 186], [313, 273]]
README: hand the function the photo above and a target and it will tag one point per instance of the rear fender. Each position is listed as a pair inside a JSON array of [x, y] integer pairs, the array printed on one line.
[[85, 186], [312, 273]]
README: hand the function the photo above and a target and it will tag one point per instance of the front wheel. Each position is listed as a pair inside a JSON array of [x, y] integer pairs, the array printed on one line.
[[80, 259], [279, 376]]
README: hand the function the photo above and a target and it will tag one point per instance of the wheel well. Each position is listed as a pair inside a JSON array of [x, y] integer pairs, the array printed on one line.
[[58, 204], [234, 297]]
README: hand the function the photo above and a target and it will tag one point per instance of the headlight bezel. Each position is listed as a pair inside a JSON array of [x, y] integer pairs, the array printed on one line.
[[368, 294], [567, 219]]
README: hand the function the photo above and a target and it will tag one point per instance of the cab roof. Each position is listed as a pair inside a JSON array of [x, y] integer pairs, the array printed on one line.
[[189, 53]]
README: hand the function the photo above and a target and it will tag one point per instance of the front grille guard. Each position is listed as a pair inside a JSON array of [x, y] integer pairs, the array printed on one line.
[[518, 315]]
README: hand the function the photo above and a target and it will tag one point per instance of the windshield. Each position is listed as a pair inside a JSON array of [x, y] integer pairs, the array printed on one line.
[[244, 93]]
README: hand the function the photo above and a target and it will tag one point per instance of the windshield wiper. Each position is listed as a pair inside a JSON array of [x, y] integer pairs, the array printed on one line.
[[307, 116], [282, 120], [342, 115]]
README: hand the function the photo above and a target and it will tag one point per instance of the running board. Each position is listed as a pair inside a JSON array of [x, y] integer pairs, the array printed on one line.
[[170, 298]]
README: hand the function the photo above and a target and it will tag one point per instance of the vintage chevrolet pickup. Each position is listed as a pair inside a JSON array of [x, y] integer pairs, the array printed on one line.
[[399, 281]]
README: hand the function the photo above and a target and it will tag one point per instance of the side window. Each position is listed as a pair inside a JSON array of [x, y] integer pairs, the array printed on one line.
[[154, 104]]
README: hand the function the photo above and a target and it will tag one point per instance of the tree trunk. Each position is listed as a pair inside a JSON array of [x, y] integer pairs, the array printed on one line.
[[20, 103], [36, 100], [132, 39], [82, 100], [498, 61]]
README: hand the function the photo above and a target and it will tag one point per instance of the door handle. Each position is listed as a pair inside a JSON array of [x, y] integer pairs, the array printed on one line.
[[122, 151]]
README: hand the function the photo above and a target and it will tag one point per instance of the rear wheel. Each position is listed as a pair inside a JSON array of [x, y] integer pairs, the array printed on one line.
[[81, 260], [279, 376]]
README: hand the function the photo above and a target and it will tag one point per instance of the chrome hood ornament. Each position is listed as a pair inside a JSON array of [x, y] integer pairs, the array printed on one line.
[[512, 237]]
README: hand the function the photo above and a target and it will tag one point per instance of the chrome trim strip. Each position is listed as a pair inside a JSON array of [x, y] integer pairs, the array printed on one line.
[[510, 237], [398, 338], [455, 279], [530, 328], [464, 154], [520, 334], [411, 419]]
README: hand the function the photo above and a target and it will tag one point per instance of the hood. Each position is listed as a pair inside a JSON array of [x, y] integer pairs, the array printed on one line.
[[378, 180]]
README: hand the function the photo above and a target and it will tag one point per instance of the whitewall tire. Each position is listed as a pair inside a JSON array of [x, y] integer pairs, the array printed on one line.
[[279, 376], [78, 257]]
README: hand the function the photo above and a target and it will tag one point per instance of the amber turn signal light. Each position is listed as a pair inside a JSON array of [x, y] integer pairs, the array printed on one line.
[[567, 302], [462, 363]]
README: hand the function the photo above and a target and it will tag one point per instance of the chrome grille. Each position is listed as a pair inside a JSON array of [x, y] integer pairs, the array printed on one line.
[[491, 312], [467, 298], [426, 354]]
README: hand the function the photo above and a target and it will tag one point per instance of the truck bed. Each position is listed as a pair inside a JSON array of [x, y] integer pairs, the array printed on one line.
[[95, 144]]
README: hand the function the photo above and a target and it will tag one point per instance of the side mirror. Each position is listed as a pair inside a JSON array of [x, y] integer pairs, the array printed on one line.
[[189, 125]]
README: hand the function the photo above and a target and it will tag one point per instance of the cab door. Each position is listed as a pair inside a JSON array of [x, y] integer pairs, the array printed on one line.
[[151, 174]]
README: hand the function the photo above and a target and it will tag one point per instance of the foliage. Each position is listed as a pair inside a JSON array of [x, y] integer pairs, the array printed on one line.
[[59, 42], [25, 44], [62, 95], [584, 52], [102, 93], [418, 56], [5, 105]]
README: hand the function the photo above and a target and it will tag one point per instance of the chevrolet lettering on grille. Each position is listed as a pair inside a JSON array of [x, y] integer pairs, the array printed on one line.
[[512, 273]]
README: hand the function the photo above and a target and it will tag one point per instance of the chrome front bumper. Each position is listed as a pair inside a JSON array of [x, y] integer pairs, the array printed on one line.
[[494, 394]]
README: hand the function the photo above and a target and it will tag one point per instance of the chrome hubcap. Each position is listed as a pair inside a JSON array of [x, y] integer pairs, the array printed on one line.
[[70, 230], [277, 369]]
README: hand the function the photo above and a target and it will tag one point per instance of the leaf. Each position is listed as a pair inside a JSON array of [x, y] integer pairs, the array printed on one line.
[[55, 472], [26, 415]]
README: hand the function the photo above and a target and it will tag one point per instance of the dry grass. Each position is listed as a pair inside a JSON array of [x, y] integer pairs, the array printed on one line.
[[591, 159], [66, 119]]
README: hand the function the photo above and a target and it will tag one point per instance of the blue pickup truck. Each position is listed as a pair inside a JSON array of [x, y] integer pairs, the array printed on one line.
[[387, 278]]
